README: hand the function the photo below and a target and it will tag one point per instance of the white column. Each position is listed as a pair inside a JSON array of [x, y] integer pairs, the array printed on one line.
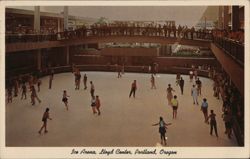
[[37, 19], [65, 16]]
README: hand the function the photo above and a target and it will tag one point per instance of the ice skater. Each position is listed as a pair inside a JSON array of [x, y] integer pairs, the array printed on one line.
[[39, 82], [181, 85], [198, 83], [34, 96], [162, 129], [9, 94], [93, 104], [92, 89], [85, 78], [153, 82], [133, 89], [119, 71], [175, 104], [204, 107], [178, 78], [169, 93], [98, 104], [65, 99], [44, 120], [227, 118], [50, 80], [213, 124], [194, 94], [24, 91]]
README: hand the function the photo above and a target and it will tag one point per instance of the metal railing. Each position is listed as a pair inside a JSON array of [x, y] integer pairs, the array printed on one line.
[[232, 47], [110, 31]]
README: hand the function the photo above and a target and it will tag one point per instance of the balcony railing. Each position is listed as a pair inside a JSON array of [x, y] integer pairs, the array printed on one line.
[[110, 31], [233, 48], [22, 38]]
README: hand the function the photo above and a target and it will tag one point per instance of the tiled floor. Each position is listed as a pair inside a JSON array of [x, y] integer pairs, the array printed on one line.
[[124, 121]]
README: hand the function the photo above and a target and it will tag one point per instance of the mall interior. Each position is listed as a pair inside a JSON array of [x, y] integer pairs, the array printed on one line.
[[38, 41]]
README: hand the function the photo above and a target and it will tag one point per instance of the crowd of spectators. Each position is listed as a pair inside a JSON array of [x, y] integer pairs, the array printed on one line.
[[126, 29], [230, 34], [130, 29]]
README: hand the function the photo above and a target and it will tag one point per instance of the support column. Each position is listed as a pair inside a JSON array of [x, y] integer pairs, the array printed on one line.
[[58, 25], [235, 18], [66, 17], [37, 19], [220, 22], [226, 17], [37, 30]]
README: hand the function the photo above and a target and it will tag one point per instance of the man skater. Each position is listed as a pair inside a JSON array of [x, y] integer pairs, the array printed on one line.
[[204, 107], [175, 104], [181, 85], [92, 89], [194, 94], [198, 83], [213, 123], [85, 78], [133, 89], [119, 71], [44, 119]]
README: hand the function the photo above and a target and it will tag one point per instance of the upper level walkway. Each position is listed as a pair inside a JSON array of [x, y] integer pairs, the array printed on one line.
[[228, 52], [31, 45]]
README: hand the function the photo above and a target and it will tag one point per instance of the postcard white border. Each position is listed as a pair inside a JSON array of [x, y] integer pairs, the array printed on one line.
[[64, 152]]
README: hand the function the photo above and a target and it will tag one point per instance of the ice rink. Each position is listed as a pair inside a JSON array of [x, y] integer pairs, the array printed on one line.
[[123, 121]]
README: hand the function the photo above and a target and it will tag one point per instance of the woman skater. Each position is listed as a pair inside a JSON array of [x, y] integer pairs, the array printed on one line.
[[34, 96], [153, 82], [162, 129], [98, 105], [65, 99], [169, 93], [44, 119], [93, 104]]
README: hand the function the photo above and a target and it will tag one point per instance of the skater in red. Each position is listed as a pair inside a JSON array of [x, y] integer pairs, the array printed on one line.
[[133, 89], [44, 119]]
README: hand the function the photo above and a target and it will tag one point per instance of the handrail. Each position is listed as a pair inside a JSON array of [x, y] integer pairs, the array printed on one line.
[[233, 48]]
